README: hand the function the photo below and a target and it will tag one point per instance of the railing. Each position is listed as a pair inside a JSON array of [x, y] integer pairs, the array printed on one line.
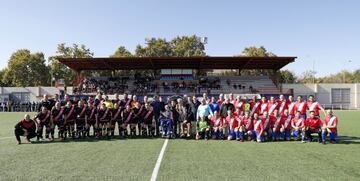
[[336, 106]]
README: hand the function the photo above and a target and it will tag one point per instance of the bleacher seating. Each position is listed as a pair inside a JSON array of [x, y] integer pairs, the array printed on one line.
[[178, 84], [176, 77]]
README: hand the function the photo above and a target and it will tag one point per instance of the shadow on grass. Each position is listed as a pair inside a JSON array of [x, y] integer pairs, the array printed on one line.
[[92, 139], [348, 140]]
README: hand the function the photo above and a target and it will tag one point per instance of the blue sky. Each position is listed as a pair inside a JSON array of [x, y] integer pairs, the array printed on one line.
[[324, 31]]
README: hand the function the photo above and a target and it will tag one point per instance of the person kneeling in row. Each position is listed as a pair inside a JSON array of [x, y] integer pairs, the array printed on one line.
[[203, 129], [259, 129], [217, 126], [26, 128], [329, 127]]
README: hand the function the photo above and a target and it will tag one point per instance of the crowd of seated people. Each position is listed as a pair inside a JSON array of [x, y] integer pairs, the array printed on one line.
[[209, 83], [143, 84], [250, 88], [179, 86], [107, 86]]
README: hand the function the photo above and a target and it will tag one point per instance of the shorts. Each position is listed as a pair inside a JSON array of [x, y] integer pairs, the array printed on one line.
[[253, 132], [276, 134], [258, 135], [297, 133], [80, 121], [232, 133], [91, 121], [59, 123], [333, 136], [44, 123], [287, 133]]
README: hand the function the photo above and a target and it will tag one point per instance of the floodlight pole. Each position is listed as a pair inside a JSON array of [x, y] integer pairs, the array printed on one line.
[[349, 61]]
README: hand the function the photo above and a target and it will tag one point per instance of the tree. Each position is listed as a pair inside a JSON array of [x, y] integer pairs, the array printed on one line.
[[122, 52], [287, 77], [186, 46], [2, 73], [155, 47], [181, 46], [307, 77], [59, 70], [356, 76], [253, 51], [26, 69]]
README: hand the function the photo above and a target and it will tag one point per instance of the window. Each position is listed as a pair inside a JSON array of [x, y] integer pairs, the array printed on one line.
[[340, 95]]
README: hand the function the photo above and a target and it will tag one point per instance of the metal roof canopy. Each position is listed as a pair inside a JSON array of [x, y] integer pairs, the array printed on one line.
[[206, 62]]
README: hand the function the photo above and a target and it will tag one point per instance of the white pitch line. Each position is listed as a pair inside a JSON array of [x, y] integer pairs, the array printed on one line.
[[2, 138], [158, 162]]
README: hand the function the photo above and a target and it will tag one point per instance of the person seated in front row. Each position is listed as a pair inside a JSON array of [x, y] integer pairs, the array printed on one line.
[[26, 128], [298, 126], [203, 128], [329, 127], [285, 129], [313, 125], [217, 126], [258, 128], [233, 123], [166, 122]]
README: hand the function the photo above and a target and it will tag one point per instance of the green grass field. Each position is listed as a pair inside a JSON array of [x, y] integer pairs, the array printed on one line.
[[134, 159]]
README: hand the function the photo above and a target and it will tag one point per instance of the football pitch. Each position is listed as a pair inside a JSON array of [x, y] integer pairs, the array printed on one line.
[[135, 159]]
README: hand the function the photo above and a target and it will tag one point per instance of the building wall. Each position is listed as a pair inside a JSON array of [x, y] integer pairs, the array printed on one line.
[[35, 93], [322, 92]]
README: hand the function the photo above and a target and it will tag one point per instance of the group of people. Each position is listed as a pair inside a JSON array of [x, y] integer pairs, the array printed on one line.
[[204, 118]]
